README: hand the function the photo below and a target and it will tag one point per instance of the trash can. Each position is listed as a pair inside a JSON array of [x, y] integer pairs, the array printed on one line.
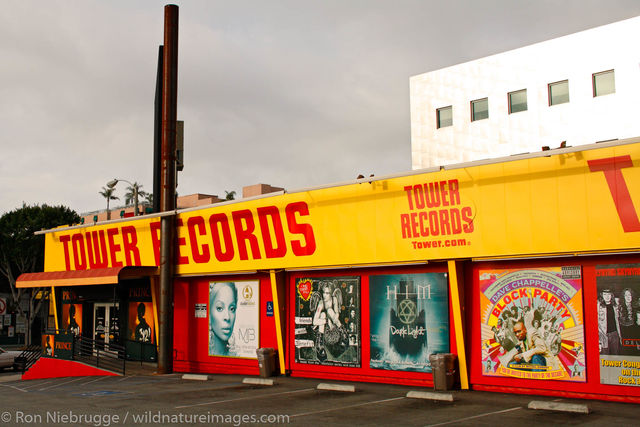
[[443, 368], [266, 361]]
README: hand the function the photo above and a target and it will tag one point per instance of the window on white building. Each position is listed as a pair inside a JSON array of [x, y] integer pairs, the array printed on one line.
[[517, 101], [444, 116], [604, 83], [479, 109], [559, 92]]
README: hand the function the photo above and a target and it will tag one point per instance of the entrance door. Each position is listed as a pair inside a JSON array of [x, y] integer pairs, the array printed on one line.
[[106, 323]]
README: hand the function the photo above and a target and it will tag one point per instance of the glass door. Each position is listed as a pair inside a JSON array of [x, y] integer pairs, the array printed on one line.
[[106, 324]]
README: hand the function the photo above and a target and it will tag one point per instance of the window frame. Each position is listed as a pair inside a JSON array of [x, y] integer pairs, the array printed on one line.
[[472, 103], [526, 101], [593, 82], [550, 85], [438, 122]]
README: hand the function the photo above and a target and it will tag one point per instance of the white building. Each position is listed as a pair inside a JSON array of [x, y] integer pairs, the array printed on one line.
[[581, 88]]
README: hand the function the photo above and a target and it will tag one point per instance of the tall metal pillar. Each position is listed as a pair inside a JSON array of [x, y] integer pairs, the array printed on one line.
[[157, 134], [168, 188]]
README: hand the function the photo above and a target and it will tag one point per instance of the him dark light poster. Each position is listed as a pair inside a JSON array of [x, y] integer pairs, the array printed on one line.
[[327, 322], [409, 316]]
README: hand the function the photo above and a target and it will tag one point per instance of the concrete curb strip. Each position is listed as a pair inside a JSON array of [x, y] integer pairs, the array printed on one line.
[[336, 387], [445, 397], [258, 381], [557, 406], [196, 377]]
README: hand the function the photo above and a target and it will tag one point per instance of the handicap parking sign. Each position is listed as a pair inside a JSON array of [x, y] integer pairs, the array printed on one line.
[[269, 308]]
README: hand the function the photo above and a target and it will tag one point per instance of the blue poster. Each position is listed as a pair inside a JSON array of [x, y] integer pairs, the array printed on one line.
[[409, 316]]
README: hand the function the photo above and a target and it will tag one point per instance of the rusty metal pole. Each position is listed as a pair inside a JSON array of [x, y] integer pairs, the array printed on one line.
[[168, 188], [157, 135]]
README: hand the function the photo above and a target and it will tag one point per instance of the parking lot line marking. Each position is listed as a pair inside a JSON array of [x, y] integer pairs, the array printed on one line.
[[475, 416], [36, 384], [14, 387], [244, 398], [58, 385], [93, 381], [346, 407]]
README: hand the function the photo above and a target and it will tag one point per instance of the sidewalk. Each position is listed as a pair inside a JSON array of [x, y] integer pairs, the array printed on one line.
[[133, 367]]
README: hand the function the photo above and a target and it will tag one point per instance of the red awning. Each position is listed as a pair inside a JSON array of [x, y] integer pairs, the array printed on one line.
[[99, 276]]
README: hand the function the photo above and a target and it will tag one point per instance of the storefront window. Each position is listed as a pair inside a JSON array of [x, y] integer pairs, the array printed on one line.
[[619, 323], [327, 321], [532, 323], [409, 320], [234, 318]]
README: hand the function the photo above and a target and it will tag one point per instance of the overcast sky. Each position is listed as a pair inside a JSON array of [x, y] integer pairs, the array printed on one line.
[[290, 93]]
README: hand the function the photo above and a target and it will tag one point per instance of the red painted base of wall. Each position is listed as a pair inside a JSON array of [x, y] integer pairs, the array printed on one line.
[[47, 367], [560, 393]]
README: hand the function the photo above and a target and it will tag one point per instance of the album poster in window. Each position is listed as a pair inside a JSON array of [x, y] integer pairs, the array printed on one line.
[[619, 323], [234, 319], [532, 323], [327, 321], [409, 315]]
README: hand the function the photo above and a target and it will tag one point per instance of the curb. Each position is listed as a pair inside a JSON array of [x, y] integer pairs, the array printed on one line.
[[258, 381], [336, 387], [557, 406], [444, 397]]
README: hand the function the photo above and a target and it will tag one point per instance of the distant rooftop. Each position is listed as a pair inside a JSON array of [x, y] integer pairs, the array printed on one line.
[[183, 202]]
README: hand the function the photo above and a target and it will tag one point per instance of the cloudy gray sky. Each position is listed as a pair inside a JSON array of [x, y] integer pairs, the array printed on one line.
[[291, 93]]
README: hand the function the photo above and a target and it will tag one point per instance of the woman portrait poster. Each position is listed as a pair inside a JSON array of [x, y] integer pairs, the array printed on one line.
[[233, 319]]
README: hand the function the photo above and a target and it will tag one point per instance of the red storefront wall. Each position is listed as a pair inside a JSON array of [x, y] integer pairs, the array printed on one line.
[[363, 373], [191, 334], [592, 388]]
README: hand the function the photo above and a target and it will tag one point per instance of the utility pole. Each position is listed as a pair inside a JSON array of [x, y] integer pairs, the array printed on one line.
[[157, 134], [168, 188]]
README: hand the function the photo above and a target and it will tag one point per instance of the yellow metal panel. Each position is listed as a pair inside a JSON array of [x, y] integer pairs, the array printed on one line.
[[276, 314], [544, 205], [457, 323], [55, 307]]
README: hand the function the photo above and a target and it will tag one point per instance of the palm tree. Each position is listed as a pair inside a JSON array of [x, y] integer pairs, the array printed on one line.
[[107, 193], [131, 196], [231, 195]]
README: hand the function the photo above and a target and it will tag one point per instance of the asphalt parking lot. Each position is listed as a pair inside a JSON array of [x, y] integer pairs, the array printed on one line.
[[226, 400]]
